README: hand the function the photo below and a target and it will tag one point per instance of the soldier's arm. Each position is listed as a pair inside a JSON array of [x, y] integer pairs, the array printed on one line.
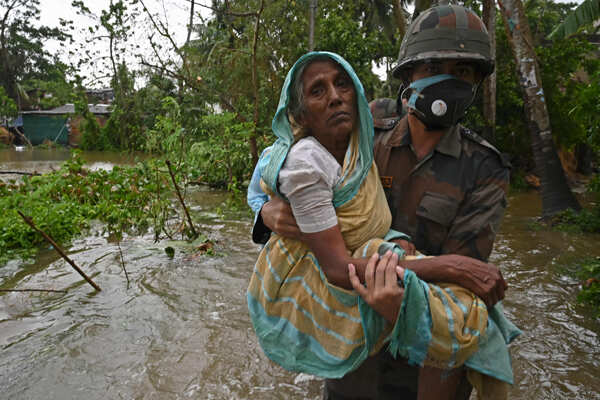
[[474, 229], [477, 221], [483, 279]]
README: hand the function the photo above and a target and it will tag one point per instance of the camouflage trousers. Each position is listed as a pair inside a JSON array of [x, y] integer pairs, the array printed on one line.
[[382, 377]]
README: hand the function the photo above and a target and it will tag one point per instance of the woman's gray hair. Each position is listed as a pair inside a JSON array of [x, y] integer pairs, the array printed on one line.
[[296, 104]]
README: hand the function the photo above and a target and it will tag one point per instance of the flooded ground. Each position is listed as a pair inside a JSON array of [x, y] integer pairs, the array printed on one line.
[[38, 160], [181, 329]]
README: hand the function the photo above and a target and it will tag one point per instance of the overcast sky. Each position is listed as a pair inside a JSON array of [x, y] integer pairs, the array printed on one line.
[[175, 12]]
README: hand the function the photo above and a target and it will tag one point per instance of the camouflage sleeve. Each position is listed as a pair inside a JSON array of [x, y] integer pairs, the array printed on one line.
[[478, 219]]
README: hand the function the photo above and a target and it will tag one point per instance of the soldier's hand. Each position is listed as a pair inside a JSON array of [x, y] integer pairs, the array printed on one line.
[[483, 279], [277, 216], [409, 247]]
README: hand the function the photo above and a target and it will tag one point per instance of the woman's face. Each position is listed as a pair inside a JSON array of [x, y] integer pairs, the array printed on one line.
[[330, 111]]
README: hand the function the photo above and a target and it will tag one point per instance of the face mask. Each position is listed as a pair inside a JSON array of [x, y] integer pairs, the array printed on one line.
[[440, 101]]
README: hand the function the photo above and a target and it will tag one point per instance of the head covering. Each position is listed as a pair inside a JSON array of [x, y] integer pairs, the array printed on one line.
[[282, 128]]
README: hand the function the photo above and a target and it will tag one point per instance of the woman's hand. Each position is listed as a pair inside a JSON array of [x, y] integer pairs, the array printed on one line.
[[382, 291]]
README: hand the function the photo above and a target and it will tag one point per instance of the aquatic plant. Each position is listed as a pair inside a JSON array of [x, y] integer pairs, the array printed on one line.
[[589, 273], [62, 203]]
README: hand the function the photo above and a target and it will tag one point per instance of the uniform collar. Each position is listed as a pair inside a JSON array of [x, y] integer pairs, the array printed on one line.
[[449, 144]]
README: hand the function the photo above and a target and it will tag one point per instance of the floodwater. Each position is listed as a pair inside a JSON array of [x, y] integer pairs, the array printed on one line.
[[38, 160], [180, 329]]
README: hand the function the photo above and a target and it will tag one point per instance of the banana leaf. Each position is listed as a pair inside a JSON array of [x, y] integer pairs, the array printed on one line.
[[585, 14]]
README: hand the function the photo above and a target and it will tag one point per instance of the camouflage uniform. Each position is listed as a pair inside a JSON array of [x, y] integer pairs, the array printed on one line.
[[453, 200]]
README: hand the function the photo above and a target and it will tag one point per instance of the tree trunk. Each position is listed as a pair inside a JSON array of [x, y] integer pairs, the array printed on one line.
[[400, 18], [311, 25], [489, 84], [555, 192], [253, 144]]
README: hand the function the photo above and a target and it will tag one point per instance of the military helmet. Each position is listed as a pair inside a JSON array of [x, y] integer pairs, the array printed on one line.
[[442, 33]]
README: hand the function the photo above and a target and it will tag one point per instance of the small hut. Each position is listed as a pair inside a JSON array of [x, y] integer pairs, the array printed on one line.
[[57, 126]]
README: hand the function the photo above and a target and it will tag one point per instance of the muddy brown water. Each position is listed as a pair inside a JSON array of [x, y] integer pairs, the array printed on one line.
[[181, 328]]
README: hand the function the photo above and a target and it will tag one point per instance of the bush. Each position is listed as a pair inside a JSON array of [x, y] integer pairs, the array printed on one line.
[[221, 155], [62, 203], [587, 220], [589, 272]]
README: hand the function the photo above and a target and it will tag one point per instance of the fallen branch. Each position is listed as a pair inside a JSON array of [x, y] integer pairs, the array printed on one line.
[[29, 221], [187, 214], [123, 264], [33, 290], [19, 173]]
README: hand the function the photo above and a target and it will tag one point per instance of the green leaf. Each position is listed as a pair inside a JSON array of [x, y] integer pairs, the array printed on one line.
[[585, 14], [170, 252]]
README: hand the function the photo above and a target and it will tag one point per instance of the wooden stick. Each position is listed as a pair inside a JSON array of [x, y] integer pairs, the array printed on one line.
[[60, 251], [181, 199], [33, 290], [20, 173], [123, 264]]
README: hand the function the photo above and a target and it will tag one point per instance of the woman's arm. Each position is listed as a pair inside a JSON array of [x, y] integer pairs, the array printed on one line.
[[333, 257]]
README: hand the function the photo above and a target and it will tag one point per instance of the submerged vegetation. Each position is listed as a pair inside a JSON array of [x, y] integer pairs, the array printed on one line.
[[589, 273], [586, 221], [63, 203]]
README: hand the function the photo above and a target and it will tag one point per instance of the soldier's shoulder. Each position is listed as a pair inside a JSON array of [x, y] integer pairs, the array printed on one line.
[[385, 114], [475, 139]]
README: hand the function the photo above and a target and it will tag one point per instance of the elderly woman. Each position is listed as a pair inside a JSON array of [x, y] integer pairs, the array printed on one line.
[[301, 304]]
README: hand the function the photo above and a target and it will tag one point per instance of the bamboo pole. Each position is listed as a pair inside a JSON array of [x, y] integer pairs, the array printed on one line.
[[29, 221], [187, 214]]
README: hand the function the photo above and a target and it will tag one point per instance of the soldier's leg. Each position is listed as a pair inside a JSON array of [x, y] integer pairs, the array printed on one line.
[[439, 384], [359, 384]]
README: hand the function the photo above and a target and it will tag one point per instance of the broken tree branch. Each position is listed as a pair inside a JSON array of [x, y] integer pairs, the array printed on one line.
[[20, 173], [33, 290], [123, 263], [187, 214], [29, 221]]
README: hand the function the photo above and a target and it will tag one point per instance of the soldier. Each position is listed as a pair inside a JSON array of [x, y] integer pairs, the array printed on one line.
[[445, 185]]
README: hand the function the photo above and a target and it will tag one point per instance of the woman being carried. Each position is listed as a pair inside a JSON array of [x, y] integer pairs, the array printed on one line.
[[303, 310]]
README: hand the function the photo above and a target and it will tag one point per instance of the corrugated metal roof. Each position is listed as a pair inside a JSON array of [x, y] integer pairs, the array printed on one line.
[[70, 109]]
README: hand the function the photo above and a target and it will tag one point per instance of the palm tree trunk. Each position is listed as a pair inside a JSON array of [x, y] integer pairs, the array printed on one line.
[[555, 192]]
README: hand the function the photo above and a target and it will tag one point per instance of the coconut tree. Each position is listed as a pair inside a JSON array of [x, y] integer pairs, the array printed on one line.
[[555, 192]]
